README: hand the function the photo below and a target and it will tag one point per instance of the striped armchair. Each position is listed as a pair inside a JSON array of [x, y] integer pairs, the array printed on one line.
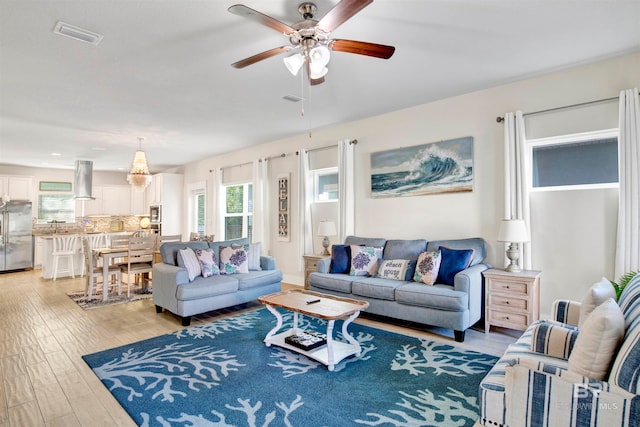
[[532, 385]]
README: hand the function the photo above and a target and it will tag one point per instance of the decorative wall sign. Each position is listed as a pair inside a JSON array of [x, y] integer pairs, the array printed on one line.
[[438, 167], [283, 207]]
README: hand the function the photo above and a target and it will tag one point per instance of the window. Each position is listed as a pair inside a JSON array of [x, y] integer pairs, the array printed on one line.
[[238, 216], [326, 185], [197, 210], [576, 161], [56, 207]]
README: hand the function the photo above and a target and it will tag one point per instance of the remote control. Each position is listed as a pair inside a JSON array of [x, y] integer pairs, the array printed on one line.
[[313, 301]]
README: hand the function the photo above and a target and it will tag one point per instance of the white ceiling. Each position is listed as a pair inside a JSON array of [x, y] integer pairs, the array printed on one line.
[[163, 71]]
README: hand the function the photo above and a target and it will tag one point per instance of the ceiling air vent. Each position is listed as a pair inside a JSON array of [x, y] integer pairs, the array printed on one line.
[[292, 98], [77, 33]]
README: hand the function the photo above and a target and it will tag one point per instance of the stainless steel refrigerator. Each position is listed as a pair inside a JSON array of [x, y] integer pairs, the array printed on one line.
[[16, 241]]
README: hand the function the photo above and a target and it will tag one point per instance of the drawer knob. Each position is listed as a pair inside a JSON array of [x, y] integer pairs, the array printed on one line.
[[506, 317], [507, 286], [506, 302]]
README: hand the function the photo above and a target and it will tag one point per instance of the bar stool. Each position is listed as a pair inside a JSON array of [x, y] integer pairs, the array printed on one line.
[[64, 247]]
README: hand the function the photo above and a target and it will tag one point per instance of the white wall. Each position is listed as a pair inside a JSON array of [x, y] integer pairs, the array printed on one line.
[[570, 262]]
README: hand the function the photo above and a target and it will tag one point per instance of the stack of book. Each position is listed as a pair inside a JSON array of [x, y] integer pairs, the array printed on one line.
[[306, 340]]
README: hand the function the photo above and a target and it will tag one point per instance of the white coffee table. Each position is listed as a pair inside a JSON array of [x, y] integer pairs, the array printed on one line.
[[329, 308]]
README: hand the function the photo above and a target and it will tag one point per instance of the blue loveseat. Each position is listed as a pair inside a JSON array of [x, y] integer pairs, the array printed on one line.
[[457, 306], [173, 291]]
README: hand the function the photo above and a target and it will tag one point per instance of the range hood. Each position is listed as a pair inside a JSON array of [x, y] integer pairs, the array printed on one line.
[[83, 180]]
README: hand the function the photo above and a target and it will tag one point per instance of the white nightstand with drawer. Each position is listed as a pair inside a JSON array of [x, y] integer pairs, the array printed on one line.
[[310, 266], [512, 300]]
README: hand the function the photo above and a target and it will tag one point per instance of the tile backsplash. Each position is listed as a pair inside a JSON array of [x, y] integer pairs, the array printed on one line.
[[92, 224]]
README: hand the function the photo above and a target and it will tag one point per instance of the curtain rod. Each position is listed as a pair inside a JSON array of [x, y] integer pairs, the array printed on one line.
[[236, 166], [353, 141], [500, 119], [278, 156]]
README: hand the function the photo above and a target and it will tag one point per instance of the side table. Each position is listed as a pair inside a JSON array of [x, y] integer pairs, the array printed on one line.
[[310, 266], [512, 300]]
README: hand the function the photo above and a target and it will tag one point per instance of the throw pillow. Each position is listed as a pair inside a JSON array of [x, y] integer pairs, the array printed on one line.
[[340, 259], [427, 267], [233, 260], [598, 341], [554, 340], [364, 260], [253, 256], [208, 262], [190, 262], [598, 293], [394, 269], [453, 261]]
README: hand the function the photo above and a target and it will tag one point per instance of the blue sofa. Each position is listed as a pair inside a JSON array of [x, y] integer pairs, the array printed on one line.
[[456, 307], [173, 291]]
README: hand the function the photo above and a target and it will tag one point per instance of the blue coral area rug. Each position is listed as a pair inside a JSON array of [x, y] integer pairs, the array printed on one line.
[[222, 374]]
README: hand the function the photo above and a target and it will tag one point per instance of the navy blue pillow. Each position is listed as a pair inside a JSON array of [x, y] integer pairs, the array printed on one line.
[[452, 262], [340, 259], [411, 271]]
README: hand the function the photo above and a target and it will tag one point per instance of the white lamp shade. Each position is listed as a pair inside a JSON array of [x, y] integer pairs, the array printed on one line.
[[327, 228], [319, 56], [318, 72], [513, 230], [294, 63]]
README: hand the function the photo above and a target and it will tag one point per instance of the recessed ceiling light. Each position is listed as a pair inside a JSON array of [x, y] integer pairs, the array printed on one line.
[[77, 33], [98, 149], [56, 154]]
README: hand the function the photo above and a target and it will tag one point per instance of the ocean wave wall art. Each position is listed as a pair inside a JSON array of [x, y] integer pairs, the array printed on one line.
[[438, 167]]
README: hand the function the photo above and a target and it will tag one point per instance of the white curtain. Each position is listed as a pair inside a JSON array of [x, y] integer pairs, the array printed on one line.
[[517, 178], [346, 220], [628, 241], [220, 198], [305, 198], [261, 232]]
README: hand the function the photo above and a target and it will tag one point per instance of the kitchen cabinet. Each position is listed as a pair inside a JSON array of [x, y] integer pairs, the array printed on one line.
[[38, 250], [166, 190], [17, 187], [109, 200], [116, 200], [138, 205]]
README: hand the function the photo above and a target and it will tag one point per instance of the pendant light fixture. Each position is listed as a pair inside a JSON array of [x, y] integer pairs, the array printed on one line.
[[139, 176]]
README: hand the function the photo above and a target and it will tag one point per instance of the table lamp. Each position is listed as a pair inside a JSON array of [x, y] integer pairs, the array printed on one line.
[[513, 231], [326, 229]]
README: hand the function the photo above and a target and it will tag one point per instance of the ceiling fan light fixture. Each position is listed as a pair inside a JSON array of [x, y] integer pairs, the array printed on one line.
[[294, 63], [319, 56], [318, 72]]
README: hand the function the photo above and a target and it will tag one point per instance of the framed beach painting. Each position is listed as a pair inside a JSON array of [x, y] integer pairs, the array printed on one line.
[[434, 168]]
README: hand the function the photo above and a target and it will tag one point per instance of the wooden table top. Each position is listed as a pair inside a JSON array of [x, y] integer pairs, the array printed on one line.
[[329, 308]]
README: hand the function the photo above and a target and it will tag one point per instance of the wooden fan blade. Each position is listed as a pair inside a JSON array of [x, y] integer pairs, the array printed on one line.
[[316, 81], [341, 12], [254, 15], [260, 56], [362, 48]]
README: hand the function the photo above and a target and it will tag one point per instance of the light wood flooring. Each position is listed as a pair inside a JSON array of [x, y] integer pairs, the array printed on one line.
[[43, 334]]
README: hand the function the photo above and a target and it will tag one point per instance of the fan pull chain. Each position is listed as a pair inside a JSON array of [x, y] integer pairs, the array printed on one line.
[[302, 94]]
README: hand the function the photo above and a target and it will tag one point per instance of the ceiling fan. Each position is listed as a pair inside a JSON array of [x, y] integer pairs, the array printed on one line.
[[310, 38]]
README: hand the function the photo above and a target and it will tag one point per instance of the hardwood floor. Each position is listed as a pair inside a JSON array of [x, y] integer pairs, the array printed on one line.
[[43, 335]]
